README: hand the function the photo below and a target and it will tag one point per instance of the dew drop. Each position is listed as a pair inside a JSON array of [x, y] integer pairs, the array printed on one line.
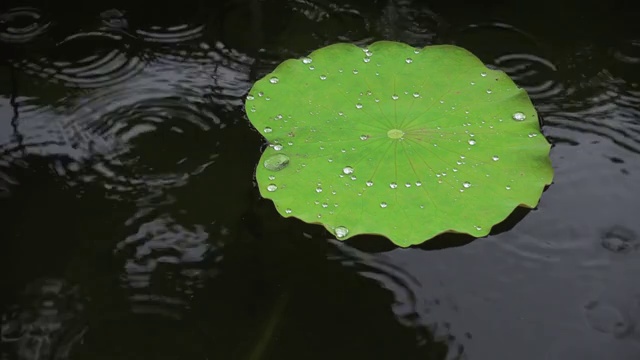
[[307, 60], [318, 189], [478, 228], [358, 106], [394, 97], [407, 185], [347, 170], [418, 183], [353, 177], [393, 185], [312, 67], [268, 130], [471, 142], [277, 147], [483, 74], [508, 187], [489, 91], [369, 183], [466, 184], [272, 187], [276, 162], [341, 232], [325, 205], [366, 59], [532, 135], [330, 160], [364, 137], [495, 158], [383, 204], [473, 83], [323, 77], [355, 71], [250, 97], [416, 94], [408, 60], [519, 116], [274, 80], [288, 211]]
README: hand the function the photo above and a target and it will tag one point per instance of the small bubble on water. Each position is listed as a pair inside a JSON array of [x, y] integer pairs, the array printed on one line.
[[408, 60], [369, 183], [518, 116], [383, 204], [272, 187], [347, 170], [323, 77], [466, 184], [393, 185], [358, 106], [471, 142], [495, 158], [268, 130], [307, 60], [274, 80], [394, 97], [341, 232]]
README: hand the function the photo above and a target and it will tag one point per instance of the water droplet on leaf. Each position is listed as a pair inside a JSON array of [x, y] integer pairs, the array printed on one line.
[[341, 232], [347, 170], [274, 80], [276, 162], [272, 187], [519, 116]]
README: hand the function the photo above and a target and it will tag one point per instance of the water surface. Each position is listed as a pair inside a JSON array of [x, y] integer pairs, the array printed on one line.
[[132, 226]]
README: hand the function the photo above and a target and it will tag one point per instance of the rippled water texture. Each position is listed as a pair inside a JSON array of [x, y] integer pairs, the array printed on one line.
[[132, 227]]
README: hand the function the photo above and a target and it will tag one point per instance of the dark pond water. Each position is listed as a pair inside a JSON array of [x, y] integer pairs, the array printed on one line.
[[131, 227]]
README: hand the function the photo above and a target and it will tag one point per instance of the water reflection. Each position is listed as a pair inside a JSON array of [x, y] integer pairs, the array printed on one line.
[[127, 166]]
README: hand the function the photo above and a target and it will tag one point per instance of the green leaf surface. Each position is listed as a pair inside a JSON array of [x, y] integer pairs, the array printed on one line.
[[397, 141]]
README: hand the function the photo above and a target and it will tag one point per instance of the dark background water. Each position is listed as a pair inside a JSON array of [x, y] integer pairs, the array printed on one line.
[[131, 227]]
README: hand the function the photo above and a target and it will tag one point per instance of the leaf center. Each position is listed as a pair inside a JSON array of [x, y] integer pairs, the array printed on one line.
[[395, 133]]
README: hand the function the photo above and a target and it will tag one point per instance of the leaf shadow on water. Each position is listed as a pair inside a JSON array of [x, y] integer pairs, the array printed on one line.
[[375, 243]]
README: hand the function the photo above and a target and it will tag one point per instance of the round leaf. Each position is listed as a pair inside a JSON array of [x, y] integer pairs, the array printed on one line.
[[402, 142]]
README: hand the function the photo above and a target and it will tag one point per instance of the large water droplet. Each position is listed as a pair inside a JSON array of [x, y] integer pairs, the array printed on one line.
[[519, 116], [383, 204], [274, 80], [276, 162], [466, 184], [341, 232], [347, 170], [272, 187], [393, 185]]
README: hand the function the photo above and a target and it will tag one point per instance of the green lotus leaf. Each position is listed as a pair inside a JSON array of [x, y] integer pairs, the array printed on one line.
[[397, 141]]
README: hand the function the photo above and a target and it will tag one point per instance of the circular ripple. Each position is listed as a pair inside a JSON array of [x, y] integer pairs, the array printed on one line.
[[165, 265], [151, 144], [88, 60], [21, 25], [533, 73], [171, 34]]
